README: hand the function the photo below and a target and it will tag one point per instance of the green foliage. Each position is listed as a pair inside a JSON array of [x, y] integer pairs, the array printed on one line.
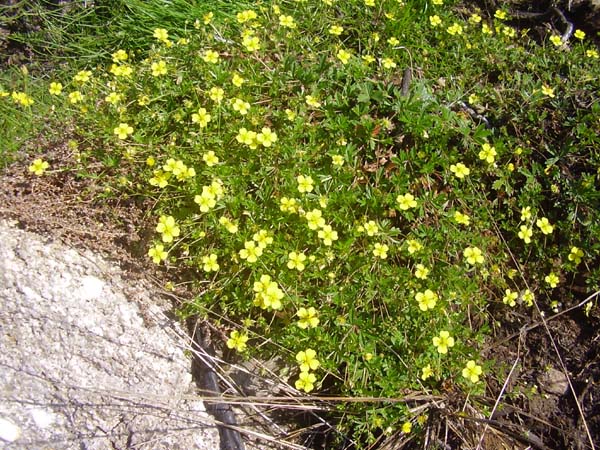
[[322, 207], [83, 34]]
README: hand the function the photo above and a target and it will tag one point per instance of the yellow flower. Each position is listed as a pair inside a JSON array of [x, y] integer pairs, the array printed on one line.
[[246, 16], [500, 15], [427, 300], [368, 59], [216, 94], [168, 228], [119, 55], [472, 371], [307, 360], [55, 88], [393, 41], [83, 76], [306, 381], [289, 205], [556, 40], [388, 63], [460, 170], [208, 17], [435, 20], [592, 53], [291, 115], [510, 298], [210, 56], [548, 91], [296, 261], [406, 201], [268, 294], [544, 225], [323, 201], [237, 80], [250, 252], [252, 43], [161, 34], [369, 2], [287, 21], [262, 238], [230, 226], [75, 97], [328, 235], [237, 341], [426, 372], [337, 160], [528, 297], [113, 98], [247, 137], [315, 219], [209, 263], [22, 98], [525, 233], [443, 341], [160, 178], [157, 253], [487, 153], [262, 285], [371, 228], [461, 218], [305, 184], [526, 213], [336, 30], [206, 200], [473, 99], [38, 166], [421, 272], [123, 130], [509, 32], [438, 2], [380, 250], [552, 279], [308, 318], [158, 68], [473, 255], [266, 137], [312, 101], [210, 158], [121, 70], [575, 255], [344, 56], [413, 246], [454, 29], [407, 426], [475, 19], [202, 117], [240, 106]]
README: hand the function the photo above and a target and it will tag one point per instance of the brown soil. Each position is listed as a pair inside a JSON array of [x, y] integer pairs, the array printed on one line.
[[72, 207], [537, 394]]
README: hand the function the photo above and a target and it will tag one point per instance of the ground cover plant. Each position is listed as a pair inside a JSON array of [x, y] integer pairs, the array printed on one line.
[[358, 188]]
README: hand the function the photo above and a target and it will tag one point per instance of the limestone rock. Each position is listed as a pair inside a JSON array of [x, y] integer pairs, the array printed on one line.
[[82, 366]]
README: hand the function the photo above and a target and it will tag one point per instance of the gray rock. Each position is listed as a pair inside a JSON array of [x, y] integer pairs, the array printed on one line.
[[82, 365], [554, 381]]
